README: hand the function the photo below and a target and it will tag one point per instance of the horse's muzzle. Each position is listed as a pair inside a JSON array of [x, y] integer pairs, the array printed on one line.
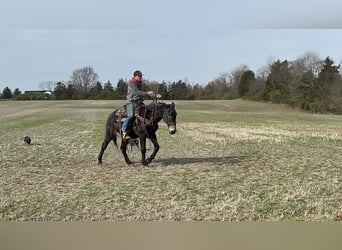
[[172, 129]]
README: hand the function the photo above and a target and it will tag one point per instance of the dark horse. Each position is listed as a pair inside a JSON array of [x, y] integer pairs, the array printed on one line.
[[144, 125]]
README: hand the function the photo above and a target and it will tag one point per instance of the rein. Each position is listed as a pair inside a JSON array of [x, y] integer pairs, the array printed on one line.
[[146, 122]]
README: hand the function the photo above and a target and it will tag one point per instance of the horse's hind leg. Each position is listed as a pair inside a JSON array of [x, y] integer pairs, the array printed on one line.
[[103, 148], [123, 148]]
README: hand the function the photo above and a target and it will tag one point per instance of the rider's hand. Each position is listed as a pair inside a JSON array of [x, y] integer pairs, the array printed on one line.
[[158, 96], [150, 93]]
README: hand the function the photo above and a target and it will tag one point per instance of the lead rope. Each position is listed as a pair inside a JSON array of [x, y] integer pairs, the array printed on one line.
[[120, 123], [155, 108], [144, 124]]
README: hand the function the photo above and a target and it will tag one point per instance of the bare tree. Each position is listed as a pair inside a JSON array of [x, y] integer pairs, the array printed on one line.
[[265, 70], [234, 79], [47, 85], [84, 78], [223, 79], [311, 62], [236, 74]]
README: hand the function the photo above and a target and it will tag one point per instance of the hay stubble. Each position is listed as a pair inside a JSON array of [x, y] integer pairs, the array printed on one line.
[[230, 160]]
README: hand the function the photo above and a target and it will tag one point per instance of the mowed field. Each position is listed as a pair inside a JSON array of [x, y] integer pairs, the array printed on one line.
[[229, 161]]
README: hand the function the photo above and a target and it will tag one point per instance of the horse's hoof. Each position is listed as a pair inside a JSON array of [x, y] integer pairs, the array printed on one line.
[[145, 163], [99, 163]]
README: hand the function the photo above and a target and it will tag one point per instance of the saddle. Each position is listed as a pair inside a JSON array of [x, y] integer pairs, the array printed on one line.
[[122, 114]]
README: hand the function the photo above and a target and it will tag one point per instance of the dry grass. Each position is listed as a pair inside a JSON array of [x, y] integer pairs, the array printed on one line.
[[230, 160]]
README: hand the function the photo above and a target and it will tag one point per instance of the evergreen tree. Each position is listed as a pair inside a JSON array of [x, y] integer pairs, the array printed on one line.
[[162, 89], [16, 93], [197, 91], [246, 78], [96, 91], [277, 83], [7, 93], [121, 89], [108, 91], [60, 91], [323, 89], [326, 79], [72, 93], [179, 90], [305, 90]]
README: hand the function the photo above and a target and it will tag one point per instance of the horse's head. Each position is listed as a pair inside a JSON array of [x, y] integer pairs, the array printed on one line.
[[169, 117]]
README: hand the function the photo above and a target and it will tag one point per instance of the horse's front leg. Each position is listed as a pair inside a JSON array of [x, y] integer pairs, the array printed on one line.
[[155, 150], [123, 148], [143, 151]]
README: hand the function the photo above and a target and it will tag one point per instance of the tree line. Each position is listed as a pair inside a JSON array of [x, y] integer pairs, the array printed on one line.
[[309, 82]]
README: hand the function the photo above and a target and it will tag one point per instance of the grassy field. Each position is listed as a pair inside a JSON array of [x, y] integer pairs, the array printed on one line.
[[229, 161]]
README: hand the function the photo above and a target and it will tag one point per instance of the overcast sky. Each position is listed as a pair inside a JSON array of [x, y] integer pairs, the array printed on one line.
[[45, 40]]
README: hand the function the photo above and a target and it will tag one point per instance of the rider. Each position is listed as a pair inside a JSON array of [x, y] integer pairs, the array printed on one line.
[[136, 93]]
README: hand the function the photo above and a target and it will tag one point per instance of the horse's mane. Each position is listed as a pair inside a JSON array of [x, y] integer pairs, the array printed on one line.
[[152, 104]]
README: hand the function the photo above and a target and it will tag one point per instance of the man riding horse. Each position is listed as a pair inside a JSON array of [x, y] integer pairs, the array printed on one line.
[[144, 126], [136, 92]]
